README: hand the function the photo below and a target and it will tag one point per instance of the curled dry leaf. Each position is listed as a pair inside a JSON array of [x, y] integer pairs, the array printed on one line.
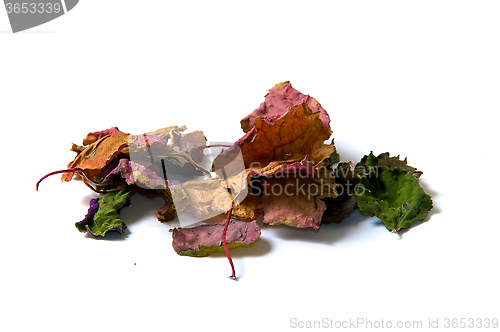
[[182, 159], [137, 174], [96, 158], [103, 215], [93, 137], [295, 135], [284, 148], [206, 240], [278, 101], [287, 193]]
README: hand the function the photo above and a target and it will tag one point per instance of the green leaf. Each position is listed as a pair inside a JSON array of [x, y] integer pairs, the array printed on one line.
[[394, 196], [384, 159], [334, 157], [105, 216]]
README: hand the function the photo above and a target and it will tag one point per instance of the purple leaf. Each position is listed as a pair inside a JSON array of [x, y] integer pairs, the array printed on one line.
[[205, 240]]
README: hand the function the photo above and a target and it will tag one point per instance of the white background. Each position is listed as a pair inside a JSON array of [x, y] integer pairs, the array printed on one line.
[[419, 78]]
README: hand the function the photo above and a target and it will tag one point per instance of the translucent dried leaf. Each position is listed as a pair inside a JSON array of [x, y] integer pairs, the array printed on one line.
[[181, 158]]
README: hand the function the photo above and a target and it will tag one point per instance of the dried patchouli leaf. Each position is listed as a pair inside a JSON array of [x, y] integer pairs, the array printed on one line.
[[334, 157], [292, 204], [283, 147], [288, 193], [292, 194], [167, 212], [296, 134], [249, 208], [89, 217], [174, 193], [97, 157], [384, 159], [278, 101], [137, 174], [342, 206], [181, 158], [205, 240], [103, 150], [282, 168], [179, 141], [103, 215], [92, 137], [206, 197], [394, 196], [201, 199]]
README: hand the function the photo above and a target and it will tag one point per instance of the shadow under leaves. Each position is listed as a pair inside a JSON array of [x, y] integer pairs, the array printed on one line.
[[327, 234]]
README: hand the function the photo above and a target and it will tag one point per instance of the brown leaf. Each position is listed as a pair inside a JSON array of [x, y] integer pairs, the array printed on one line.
[[278, 101], [92, 137], [340, 207], [295, 135], [287, 194], [248, 209], [97, 156], [289, 201]]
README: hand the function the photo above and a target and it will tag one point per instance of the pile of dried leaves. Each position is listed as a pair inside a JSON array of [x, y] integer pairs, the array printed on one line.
[[287, 175]]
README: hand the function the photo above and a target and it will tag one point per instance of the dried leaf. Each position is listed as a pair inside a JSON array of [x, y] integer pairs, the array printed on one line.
[[248, 209], [187, 142], [342, 206], [283, 147], [290, 201], [394, 196], [202, 198], [136, 174], [92, 137], [103, 215], [182, 158], [295, 135], [290, 194], [206, 240], [383, 159], [334, 157], [95, 158], [278, 101], [173, 193]]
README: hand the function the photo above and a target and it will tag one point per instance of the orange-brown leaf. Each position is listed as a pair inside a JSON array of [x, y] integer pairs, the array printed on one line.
[[295, 135], [98, 155]]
